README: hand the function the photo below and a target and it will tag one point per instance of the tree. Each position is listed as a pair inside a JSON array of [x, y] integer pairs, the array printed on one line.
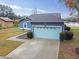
[[72, 4], [6, 11]]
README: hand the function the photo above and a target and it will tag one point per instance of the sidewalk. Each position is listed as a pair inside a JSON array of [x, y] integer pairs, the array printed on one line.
[[3, 57]]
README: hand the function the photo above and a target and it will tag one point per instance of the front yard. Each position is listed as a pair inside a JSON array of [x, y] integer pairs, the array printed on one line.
[[6, 33], [67, 48], [6, 46]]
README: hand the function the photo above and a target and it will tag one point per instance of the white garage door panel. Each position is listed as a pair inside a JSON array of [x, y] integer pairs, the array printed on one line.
[[47, 32]]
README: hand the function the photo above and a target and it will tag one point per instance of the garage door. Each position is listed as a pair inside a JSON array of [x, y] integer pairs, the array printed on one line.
[[47, 32]]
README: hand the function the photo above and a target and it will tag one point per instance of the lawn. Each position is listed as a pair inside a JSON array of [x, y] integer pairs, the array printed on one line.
[[6, 33], [6, 46], [67, 48]]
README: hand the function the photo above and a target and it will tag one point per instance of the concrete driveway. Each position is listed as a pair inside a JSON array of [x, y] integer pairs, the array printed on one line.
[[36, 49]]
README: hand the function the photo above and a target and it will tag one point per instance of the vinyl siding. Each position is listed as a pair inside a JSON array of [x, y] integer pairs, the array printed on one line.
[[28, 24]]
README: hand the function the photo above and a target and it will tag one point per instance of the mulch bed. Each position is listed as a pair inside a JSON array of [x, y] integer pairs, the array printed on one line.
[[69, 51], [24, 36]]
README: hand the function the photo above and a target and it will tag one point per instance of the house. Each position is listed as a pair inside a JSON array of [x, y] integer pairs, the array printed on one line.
[[6, 22], [25, 23], [47, 25]]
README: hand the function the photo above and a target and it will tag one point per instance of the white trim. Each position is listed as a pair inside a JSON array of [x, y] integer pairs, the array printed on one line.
[[52, 26], [26, 28], [46, 26]]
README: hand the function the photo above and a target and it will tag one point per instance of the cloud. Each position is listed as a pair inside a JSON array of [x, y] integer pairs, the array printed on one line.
[[18, 10], [24, 11], [15, 7], [27, 11]]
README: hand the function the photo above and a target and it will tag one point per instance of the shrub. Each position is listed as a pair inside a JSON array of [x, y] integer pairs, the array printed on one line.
[[62, 36], [16, 24], [67, 28], [29, 34], [66, 35]]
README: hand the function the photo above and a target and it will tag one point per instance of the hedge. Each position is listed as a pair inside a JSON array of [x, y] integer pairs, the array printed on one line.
[[66, 35]]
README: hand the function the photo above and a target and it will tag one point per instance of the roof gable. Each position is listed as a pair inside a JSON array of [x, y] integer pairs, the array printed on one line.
[[26, 18]]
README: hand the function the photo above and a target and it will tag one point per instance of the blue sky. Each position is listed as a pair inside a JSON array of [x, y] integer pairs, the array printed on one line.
[[26, 7]]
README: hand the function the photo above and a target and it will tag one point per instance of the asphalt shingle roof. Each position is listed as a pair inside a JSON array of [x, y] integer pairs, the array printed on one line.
[[47, 17], [5, 19]]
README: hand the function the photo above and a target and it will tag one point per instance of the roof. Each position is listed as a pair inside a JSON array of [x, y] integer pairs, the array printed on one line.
[[25, 18], [47, 17], [6, 19]]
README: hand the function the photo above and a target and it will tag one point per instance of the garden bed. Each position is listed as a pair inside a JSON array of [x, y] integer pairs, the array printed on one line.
[[67, 48], [24, 36]]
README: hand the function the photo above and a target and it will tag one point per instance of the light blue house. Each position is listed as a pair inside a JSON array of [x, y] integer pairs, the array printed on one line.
[[25, 23], [46, 26]]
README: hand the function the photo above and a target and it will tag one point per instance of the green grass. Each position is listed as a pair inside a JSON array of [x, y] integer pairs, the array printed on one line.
[[75, 27], [6, 46], [6, 33], [67, 48]]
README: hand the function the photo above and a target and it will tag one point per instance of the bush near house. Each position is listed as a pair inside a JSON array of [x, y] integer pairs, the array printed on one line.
[[69, 35], [66, 35], [29, 34], [67, 28], [62, 36]]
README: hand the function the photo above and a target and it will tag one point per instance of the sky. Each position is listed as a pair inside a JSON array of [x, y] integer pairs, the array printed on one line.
[[27, 7]]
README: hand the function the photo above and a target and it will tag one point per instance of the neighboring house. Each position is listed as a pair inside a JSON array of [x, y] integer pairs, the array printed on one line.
[[6, 22], [47, 25], [72, 24], [25, 24]]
